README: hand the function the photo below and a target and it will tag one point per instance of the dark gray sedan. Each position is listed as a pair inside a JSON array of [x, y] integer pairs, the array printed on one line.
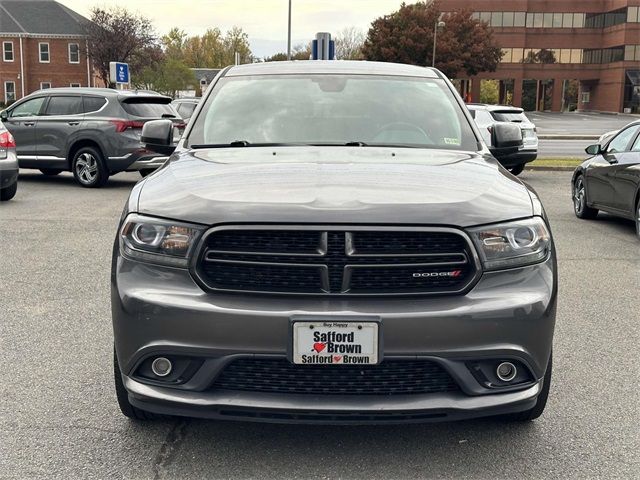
[[8, 165], [610, 179]]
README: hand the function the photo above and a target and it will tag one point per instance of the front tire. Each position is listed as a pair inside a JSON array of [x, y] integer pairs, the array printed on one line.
[[579, 194], [126, 408], [89, 169], [9, 192], [541, 401], [638, 219]]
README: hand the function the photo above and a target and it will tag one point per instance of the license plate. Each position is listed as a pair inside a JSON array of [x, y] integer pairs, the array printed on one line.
[[335, 343]]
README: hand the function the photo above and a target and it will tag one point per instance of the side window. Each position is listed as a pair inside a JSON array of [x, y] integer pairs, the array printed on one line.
[[636, 145], [64, 106], [30, 108], [93, 104], [621, 142]]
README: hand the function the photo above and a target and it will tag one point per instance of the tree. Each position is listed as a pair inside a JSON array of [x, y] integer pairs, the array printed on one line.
[[210, 50], [298, 52], [465, 46], [167, 77], [349, 44], [117, 35], [489, 91]]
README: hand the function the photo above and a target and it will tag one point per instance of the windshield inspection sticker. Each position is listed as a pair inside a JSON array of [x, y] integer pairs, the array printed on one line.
[[452, 141]]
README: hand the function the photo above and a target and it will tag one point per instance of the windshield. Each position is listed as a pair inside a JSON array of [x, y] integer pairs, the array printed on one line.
[[333, 109]]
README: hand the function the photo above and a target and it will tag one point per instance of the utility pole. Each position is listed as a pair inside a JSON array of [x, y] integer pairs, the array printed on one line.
[[289, 35]]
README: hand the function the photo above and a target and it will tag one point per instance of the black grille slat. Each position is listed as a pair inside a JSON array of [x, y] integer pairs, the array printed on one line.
[[391, 377], [336, 261]]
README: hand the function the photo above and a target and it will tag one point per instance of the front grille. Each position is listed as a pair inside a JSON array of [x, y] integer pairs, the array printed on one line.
[[346, 261], [391, 377]]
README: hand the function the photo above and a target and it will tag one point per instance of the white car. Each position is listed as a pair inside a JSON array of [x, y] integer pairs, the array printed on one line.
[[488, 115]]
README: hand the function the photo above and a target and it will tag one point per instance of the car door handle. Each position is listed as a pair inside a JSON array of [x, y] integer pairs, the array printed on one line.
[[73, 123], [29, 124]]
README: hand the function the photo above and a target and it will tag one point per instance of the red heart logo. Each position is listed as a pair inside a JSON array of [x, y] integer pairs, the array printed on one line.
[[337, 358], [318, 347]]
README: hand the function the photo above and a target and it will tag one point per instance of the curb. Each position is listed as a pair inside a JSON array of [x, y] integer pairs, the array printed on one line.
[[550, 169], [568, 137]]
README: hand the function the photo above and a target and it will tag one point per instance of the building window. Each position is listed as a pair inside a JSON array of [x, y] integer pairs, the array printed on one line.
[[45, 85], [75, 85], [9, 92], [44, 53], [496, 19], [7, 49], [586, 97], [74, 53]]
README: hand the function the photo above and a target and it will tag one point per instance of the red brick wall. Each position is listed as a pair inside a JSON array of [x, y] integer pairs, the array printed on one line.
[[59, 72]]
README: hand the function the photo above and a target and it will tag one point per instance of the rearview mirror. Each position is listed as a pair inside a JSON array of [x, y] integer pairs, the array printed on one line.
[[4, 116], [506, 139], [595, 149], [157, 135]]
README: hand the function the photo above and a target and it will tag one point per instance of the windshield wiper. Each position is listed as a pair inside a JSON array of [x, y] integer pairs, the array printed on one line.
[[245, 143], [168, 115], [355, 144]]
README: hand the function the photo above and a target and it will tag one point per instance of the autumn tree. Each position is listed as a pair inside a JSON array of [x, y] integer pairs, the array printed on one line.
[[349, 43], [117, 35], [209, 50], [465, 46], [298, 52], [167, 77]]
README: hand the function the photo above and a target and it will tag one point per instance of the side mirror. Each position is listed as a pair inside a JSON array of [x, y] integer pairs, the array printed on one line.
[[506, 139], [595, 149], [4, 116], [157, 135]]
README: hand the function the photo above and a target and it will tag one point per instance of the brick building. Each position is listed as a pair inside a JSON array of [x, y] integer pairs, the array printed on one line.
[[42, 45], [562, 54]]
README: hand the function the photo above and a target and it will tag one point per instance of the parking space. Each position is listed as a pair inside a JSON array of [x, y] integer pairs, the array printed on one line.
[[59, 419], [581, 124]]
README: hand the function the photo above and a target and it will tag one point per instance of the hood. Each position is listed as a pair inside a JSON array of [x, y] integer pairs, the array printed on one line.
[[333, 185]]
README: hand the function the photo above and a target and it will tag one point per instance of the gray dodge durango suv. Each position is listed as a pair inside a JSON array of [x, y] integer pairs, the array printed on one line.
[[333, 242], [93, 132]]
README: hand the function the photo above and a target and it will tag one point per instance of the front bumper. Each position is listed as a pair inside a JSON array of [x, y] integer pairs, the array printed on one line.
[[139, 159], [509, 314]]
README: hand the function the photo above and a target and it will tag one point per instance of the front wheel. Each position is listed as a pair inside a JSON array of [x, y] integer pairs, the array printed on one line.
[[517, 170], [638, 219], [9, 192], [580, 207], [122, 396], [89, 169], [541, 401]]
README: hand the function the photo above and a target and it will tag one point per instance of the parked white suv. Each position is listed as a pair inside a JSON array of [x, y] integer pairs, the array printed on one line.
[[488, 115]]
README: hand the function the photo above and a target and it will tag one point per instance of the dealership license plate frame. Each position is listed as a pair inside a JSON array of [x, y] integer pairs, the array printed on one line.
[[352, 321]]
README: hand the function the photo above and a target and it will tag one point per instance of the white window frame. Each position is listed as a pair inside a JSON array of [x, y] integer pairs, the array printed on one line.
[[75, 85], [4, 51], [42, 85], [6, 96], [69, 51], [40, 52]]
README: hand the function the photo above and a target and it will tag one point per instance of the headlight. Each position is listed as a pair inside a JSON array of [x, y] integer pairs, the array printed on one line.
[[158, 241], [513, 244]]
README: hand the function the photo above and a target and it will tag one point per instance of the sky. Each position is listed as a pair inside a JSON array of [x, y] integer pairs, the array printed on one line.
[[264, 20]]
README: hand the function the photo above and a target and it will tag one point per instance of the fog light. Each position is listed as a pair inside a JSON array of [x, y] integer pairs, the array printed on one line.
[[162, 366], [506, 371]]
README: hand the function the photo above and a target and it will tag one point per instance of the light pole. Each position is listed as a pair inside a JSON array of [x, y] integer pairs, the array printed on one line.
[[289, 35], [438, 25]]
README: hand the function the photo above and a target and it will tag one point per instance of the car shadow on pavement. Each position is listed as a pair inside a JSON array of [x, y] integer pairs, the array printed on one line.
[[262, 450], [616, 224], [66, 178]]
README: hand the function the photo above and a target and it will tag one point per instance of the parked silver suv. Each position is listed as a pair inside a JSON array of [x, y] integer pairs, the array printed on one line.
[[93, 132], [333, 242], [486, 116]]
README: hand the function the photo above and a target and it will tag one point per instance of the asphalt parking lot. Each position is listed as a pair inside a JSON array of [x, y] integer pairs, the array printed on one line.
[[59, 418]]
